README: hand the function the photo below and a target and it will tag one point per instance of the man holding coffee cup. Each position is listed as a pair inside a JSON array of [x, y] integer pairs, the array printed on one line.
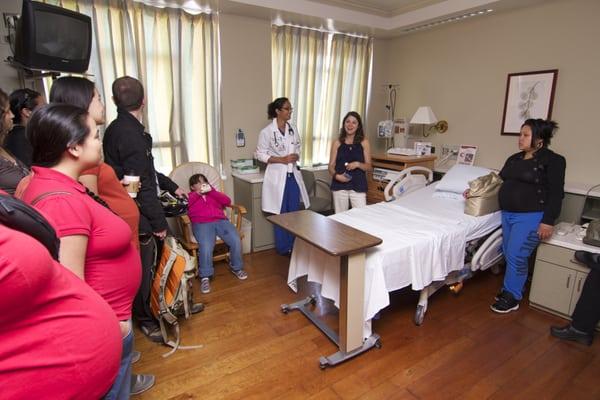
[[128, 149], [132, 184]]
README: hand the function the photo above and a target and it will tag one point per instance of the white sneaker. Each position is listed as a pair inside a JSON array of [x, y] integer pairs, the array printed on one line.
[[205, 285], [239, 273]]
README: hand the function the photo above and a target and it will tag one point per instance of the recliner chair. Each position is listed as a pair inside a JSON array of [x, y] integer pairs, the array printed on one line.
[[322, 204]]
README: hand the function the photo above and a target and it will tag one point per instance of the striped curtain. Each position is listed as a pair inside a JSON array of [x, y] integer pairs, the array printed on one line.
[[324, 75], [176, 56]]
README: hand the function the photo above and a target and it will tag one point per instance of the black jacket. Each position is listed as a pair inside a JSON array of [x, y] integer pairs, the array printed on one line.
[[128, 149], [17, 143], [536, 184]]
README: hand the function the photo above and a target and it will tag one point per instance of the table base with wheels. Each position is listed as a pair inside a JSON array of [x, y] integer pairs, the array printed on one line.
[[349, 246], [304, 306]]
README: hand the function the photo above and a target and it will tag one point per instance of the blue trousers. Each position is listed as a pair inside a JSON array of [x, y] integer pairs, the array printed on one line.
[[284, 241], [519, 239], [206, 234], [122, 386]]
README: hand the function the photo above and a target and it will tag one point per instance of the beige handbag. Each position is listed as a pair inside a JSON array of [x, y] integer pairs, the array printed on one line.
[[483, 195]]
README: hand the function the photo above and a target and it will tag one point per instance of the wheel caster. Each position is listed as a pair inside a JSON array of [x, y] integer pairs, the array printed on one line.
[[455, 288], [419, 315], [322, 366], [313, 300], [284, 309], [378, 343]]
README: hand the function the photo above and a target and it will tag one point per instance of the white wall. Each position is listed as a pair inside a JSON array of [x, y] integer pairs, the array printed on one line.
[[8, 75], [460, 70]]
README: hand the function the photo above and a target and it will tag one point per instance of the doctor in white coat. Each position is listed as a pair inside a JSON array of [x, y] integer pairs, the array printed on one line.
[[279, 147]]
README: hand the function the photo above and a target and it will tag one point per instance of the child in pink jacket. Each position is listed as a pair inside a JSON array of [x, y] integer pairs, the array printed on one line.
[[206, 211]]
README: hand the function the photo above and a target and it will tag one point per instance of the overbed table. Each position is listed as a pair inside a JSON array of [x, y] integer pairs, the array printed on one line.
[[349, 245]]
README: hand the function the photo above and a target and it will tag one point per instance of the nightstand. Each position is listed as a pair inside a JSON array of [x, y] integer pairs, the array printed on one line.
[[557, 278], [384, 162]]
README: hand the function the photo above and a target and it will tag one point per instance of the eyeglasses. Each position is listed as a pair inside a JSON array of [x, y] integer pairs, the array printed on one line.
[[290, 109]]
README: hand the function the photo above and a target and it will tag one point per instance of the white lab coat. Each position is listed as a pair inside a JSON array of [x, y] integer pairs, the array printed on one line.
[[272, 143]]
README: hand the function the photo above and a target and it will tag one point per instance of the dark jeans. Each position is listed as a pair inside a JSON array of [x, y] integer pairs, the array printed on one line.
[[587, 310], [141, 304], [122, 386], [284, 241]]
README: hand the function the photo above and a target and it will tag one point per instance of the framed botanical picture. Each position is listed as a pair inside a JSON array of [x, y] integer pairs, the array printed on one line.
[[528, 95]]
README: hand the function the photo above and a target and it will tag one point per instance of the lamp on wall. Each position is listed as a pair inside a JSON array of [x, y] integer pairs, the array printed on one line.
[[425, 116]]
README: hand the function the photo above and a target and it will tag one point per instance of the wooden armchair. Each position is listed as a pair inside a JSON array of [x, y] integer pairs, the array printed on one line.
[[183, 225]]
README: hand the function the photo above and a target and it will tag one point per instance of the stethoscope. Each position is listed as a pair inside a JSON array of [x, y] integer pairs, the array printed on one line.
[[279, 144]]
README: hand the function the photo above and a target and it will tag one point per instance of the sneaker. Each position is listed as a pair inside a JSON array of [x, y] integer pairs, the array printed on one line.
[[569, 333], [152, 332], [197, 307], [135, 356], [239, 273], [205, 285], [498, 295], [141, 383], [505, 303]]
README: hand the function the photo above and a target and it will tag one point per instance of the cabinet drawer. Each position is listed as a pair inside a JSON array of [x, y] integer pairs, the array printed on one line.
[[555, 254], [375, 190], [560, 256]]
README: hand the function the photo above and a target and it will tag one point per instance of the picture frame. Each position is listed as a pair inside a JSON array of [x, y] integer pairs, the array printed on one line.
[[528, 95]]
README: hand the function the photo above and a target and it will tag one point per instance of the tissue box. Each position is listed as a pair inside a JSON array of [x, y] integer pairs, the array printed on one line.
[[242, 162], [249, 169]]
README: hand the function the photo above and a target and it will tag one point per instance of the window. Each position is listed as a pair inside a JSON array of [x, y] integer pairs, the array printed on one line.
[[325, 75]]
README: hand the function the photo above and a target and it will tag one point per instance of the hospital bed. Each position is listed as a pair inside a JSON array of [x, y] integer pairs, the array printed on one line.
[[428, 242]]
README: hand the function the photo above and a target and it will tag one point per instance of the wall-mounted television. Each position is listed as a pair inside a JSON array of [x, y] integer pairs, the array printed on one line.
[[52, 38]]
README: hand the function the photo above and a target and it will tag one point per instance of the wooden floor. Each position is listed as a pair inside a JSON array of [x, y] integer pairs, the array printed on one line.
[[462, 350]]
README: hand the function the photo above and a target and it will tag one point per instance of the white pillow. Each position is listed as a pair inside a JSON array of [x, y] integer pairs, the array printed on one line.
[[457, 179], [448, 195]]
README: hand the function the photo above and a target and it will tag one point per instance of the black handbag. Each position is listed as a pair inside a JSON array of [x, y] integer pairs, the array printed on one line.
[[173, 206], [19, 216]]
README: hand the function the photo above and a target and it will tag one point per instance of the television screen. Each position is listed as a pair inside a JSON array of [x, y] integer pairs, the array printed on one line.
[[53, 38], [57, 36]]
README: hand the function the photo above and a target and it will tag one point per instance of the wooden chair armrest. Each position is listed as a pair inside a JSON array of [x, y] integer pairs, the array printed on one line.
[[236, 215], [185, 225], [190, 246], [238, 208]]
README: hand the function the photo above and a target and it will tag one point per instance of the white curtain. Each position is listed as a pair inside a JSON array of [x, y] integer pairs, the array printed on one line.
[[325, 75], [176, 57]]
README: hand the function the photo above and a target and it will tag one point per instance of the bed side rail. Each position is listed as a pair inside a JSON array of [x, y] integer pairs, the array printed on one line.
[[409, 180]]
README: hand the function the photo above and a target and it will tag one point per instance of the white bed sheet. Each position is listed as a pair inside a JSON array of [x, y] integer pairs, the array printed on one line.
[[424, 239]]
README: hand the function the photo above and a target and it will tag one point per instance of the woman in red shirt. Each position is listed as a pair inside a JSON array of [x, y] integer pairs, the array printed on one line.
[[94, 242], [58, 338], [100, 179]]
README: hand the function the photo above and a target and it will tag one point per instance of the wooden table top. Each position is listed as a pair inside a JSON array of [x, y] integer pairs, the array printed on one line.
[[329, 235]]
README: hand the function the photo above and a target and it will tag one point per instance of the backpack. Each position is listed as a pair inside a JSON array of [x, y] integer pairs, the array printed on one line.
[[171, 294], [19, 216]]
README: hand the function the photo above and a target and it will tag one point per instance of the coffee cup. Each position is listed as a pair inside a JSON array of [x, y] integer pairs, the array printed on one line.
[[132, 184]]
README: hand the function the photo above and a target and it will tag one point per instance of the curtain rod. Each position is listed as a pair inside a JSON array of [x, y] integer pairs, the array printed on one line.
[[278, 23]]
